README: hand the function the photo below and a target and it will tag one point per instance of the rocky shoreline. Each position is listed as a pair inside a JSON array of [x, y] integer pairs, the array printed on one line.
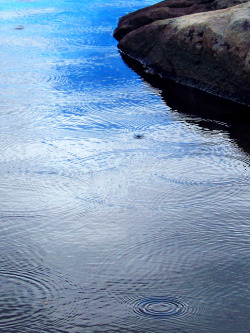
[[199, 43]]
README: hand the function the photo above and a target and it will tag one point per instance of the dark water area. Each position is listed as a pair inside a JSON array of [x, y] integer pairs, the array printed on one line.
[[125, 207], [207, 110]]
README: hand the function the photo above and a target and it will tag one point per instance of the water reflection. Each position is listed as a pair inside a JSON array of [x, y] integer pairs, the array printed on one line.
[[209, 111], [117, 213]]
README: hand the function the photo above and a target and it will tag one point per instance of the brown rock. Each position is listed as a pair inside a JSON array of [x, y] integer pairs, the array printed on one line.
[[209, 51], [168, 9]]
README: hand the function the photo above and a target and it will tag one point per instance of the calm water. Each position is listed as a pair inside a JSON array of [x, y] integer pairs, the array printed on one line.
[[119, 213]]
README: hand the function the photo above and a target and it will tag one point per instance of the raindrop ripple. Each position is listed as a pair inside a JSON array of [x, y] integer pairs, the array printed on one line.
[[160, 307]]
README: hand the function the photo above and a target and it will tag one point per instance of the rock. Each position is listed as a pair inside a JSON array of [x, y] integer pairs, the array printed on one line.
[[168, 9], [208, 50]]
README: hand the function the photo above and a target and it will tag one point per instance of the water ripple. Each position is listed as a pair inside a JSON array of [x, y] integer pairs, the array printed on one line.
[[19, 256], [34, 295], [143, 211], [46, 194], [160, 307]]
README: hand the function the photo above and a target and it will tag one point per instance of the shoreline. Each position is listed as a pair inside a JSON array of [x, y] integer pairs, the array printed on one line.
[[205, 50]]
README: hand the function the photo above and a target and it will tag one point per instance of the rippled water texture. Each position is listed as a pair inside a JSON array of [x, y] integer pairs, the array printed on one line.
[[119, 213]]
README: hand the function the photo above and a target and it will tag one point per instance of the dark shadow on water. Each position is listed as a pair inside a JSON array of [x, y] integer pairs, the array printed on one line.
[[215, 113]]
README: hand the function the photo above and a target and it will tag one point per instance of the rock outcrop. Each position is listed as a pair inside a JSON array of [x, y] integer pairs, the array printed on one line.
[[168, 9], [208, 50]]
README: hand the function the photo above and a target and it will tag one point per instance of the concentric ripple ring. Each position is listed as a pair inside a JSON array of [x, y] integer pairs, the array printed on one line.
[[160, 307]]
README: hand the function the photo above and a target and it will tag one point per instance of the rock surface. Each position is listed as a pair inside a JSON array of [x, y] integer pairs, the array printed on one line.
[[168, 9], [207, 50]]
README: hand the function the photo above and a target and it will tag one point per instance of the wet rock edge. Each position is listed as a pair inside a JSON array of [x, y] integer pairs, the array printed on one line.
[[180, 56]]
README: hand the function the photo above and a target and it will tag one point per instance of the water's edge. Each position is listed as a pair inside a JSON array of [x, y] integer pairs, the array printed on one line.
[[193, 101]]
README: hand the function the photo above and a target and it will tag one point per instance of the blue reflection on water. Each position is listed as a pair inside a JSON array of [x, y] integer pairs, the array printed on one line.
[[92, 220]]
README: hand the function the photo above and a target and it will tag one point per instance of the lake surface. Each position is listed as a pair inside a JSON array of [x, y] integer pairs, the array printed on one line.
[[119, 212]]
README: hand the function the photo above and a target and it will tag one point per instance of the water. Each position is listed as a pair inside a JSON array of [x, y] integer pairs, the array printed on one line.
[[119, 212]]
